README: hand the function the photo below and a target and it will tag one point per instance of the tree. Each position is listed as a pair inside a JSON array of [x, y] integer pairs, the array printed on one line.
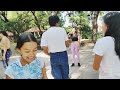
[[94, 17], [79, 20], [3, 15], [20, 21], [36, 20]]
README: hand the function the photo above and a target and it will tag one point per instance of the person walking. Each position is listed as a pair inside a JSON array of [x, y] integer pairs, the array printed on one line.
[[54, 42]]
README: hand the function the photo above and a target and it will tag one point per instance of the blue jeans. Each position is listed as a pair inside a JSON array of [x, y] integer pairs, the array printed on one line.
[[59, 65]]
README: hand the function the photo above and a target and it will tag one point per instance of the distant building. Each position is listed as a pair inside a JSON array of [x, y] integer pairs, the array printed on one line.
[[35, 31]]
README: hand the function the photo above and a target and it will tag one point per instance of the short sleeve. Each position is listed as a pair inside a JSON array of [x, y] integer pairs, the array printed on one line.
[[43, 40], [65, 34], [9, 72], [100, 47], [41, 62]]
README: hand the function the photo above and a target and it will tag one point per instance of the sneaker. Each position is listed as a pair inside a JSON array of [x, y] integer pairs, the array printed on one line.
[[79, 64], [72, 65]]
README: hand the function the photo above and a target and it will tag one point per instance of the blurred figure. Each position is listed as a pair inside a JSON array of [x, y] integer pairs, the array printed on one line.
[[5, 48]]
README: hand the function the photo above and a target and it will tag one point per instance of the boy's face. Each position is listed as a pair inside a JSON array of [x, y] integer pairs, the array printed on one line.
[[28, 51]]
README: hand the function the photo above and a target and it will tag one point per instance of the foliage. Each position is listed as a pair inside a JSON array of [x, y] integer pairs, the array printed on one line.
[[20, 21], [68, 29], [86, 32]]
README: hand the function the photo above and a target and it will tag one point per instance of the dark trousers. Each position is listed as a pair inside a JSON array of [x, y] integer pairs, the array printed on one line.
[[59, 65]]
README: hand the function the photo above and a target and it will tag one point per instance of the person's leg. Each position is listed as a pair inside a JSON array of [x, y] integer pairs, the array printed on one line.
[[65, 71], [73, 56], [55, 66], [64, 65], [3, 61], [6, 59], [56, 71], [78, 58], [7, 56]]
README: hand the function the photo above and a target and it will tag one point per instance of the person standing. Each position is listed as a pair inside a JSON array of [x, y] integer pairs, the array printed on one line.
[[107, 49], [5, 48], [54, 42], [75, 51]]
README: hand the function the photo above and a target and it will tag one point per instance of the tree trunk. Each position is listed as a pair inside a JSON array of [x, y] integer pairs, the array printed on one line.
[[4, 16], [95, 26], [37, 22]]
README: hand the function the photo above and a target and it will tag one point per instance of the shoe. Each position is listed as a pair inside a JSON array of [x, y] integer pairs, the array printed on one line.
[[79, 64], [5, 66], [72, 65]]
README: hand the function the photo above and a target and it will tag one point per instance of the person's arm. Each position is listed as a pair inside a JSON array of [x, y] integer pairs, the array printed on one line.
[[44, 44], [7, 77], [79, 39], [67, 43], [44, 73], [45, 50], [97, 61], [99, 49]]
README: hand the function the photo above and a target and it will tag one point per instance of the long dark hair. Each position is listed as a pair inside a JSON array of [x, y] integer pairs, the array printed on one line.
[[25, 37], [112, 20]]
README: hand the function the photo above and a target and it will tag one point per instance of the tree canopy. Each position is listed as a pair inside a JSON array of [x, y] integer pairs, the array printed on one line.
[[20, 21]]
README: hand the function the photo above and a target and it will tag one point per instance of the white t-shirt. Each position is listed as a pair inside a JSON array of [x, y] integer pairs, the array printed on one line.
[[110, 64], [55, 38]]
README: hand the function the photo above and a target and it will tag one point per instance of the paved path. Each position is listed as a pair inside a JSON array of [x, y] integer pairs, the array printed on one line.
[[83, 72]]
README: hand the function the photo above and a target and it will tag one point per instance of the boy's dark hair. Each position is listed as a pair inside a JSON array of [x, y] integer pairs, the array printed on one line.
[[25, 37], [4, 33], [112, 20], [53, 20]]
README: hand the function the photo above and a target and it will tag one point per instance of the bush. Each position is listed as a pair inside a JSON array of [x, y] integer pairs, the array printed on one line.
[[86, 32]]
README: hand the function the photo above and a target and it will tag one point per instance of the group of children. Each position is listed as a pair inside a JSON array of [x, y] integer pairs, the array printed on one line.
[[28, 65], [106, 60]]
